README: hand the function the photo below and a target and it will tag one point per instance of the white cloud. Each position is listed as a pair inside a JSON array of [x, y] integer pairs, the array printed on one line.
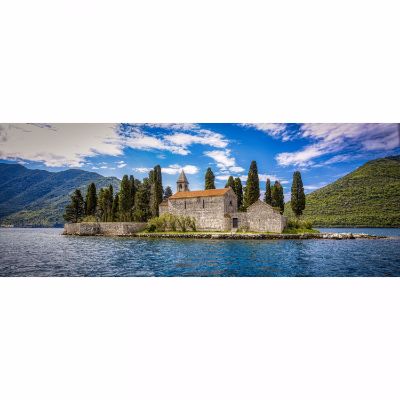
[[121, 164], [333, 138], [225, 162], [222, 177], [173, 169], [176, 168], [58, 145], [178, 142], [142, 170], [95, 168], [278, 131]]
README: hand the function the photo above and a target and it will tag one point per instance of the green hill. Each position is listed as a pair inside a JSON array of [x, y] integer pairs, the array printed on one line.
[[368, 196], [32, 197]]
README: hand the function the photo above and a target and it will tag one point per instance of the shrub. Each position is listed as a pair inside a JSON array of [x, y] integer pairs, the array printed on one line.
[[89, 218], [295, 223], [169, 222]]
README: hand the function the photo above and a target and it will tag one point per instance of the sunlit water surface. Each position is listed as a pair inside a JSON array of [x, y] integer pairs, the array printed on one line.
[[45, 252]]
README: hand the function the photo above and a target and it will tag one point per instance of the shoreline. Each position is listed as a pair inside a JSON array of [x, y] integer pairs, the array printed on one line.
[[241, 236]]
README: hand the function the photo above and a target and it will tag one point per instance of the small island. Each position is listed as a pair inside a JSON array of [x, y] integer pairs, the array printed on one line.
[[144, 209]]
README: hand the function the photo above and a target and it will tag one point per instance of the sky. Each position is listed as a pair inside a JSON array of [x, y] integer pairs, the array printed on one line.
[[322, 152]]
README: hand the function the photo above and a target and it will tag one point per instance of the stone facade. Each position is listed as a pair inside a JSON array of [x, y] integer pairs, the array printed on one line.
[[104, 228], [216, 210]]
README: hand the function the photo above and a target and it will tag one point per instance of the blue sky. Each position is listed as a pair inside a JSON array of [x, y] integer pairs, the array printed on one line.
[[322, 152]]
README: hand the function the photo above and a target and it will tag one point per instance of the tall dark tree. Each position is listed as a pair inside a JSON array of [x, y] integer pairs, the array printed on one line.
[[278, 199], [155, 178], [125, 200], [75, 211], [100, 212], [167, 192], [298, 199], [91, 200], [230, 183], [109, 199], [142, 201], [115, 209], [268, 194], [252, 193], [133, 189], [239, 192], [209, 179]]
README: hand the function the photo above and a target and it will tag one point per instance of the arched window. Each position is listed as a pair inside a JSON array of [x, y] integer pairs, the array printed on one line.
[[230, 203]]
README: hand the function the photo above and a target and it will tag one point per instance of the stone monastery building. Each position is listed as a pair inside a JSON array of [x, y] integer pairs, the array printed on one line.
[[217, 210]]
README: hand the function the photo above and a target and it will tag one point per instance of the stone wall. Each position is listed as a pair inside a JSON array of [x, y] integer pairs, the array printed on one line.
[[207, 211], [261, 217], [104, 228]]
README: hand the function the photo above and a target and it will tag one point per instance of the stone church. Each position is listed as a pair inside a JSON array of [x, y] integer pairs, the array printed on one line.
[[217, 210]]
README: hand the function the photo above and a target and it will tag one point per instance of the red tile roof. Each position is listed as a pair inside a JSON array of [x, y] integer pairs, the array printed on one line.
[[200, 193]]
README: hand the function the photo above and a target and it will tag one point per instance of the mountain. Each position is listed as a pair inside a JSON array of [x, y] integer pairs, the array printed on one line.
[[368, 196], [33, 197]]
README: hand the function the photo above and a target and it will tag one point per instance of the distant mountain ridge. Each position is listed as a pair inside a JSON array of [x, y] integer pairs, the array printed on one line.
[[33, 197], [368, 196]]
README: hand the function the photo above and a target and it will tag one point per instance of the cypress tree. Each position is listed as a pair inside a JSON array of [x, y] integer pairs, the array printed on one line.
[[298, 199], [91, 200], [109, 202], [142, 201], [115, 208], [230, 183], [268, 194], [155, 179], [239, 192], [133, 189], [167, 192], [75, 211], [100, 205], [278, 199], [209, 179], [125, 200], [252, 193]]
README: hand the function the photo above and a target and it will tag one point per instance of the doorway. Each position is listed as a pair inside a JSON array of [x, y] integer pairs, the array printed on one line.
[[235, 223]]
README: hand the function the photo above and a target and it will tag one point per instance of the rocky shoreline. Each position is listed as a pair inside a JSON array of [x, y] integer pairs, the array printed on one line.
[[260, 236], [230, 235]]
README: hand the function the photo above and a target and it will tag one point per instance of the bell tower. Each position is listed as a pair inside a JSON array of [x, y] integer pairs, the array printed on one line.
[[182, 184]]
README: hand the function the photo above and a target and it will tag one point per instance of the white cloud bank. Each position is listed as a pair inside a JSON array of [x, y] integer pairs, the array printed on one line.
[[58, 145], [335, 138]]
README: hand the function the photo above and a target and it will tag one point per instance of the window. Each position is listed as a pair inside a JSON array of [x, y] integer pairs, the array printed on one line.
[[230, 203], [185, 204], [203, 203]]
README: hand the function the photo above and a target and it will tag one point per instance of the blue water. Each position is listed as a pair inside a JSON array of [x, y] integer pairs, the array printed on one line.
[[45, 252]]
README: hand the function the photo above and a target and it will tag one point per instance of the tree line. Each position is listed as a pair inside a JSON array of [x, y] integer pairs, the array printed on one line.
[[135, 201], [273, 196], [139, 200]]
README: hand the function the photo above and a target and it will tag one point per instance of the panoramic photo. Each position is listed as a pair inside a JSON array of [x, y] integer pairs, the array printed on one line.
[[200, 199]]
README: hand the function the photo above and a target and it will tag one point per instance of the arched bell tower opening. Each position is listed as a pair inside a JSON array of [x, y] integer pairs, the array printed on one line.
[[182, 184]]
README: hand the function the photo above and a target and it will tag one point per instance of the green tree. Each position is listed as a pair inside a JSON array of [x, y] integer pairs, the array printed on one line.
[[278, 199], [91, 200], [238, 188], [252, 193], [115, 208], [75, 211], [209, 179], [125, 200], [132, 186], [298, 199], [167, 192], [230, 183], [155, 178], [268, 194], [142, 201]]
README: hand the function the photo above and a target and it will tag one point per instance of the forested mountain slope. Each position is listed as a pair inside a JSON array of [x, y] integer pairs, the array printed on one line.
[[368, 196], [32, 197]]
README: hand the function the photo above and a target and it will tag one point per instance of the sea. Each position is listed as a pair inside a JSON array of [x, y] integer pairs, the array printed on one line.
[[45, 252]]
